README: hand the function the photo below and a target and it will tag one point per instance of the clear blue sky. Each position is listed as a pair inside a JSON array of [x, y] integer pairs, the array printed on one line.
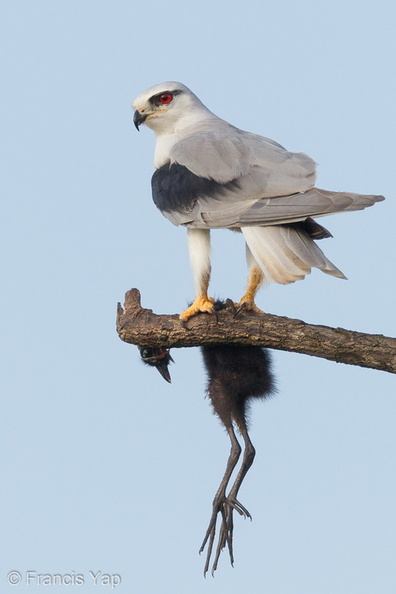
[[104, 466]]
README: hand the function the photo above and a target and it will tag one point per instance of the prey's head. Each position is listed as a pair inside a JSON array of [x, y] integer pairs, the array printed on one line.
[[158, 357], [167, 105]]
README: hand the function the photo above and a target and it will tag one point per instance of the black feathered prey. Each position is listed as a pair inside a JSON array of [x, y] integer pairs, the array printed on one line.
[[236, 375]]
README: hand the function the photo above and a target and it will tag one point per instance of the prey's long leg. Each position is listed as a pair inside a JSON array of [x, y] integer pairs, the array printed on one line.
[[247, 461], [220, 506], [232, 503]]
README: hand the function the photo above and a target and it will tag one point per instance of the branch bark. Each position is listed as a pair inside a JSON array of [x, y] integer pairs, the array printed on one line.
[[140, 326]]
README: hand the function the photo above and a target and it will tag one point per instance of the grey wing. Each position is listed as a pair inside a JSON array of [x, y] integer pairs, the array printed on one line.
[[213, 155], [227, 153], [312, 203], [240, 204], [255, 182]]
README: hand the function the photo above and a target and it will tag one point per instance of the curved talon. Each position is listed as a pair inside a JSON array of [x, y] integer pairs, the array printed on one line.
[[202, 304], [235, 504], [240, 509], [245, 305]]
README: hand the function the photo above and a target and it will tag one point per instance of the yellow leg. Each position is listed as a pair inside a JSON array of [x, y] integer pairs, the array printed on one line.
[[254, 282]]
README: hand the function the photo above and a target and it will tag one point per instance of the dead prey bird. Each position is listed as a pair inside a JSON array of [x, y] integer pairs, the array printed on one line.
[[235, 376]]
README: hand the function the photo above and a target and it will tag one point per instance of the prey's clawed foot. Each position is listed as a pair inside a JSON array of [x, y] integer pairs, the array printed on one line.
[[202, 304], [224, 507], [246, 305]]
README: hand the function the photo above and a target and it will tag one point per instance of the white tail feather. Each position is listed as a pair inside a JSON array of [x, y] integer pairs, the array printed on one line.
[[285, 254]]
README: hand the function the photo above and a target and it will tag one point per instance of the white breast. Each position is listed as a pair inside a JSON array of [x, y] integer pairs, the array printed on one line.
[[163, 147]]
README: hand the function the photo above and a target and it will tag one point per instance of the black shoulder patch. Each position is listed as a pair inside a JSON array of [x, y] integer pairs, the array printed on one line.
[[175, 187]]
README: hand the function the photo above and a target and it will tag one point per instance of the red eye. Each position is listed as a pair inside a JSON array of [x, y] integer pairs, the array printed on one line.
[[165, 98]]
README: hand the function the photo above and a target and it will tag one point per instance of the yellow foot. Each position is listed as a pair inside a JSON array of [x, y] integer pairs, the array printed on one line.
[[247, 305], [202, 304]]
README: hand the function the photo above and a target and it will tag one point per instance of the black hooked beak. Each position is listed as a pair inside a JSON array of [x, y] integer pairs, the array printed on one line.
[[138, 119], [158, 358]]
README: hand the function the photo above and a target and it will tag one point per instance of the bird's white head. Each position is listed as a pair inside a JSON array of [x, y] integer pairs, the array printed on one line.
[[168, 106]]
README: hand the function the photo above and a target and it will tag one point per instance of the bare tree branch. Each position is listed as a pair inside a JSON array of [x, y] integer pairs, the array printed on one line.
[[142, 327]]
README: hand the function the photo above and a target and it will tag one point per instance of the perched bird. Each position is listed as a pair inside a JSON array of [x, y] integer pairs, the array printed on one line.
[[210, 174], [236, 375]]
